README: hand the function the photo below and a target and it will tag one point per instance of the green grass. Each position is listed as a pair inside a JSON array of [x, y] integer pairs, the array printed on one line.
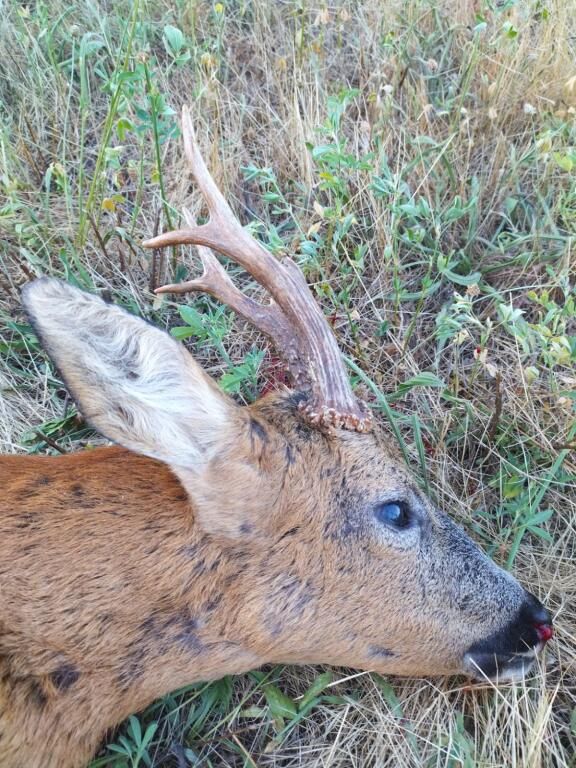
[[419, 161]]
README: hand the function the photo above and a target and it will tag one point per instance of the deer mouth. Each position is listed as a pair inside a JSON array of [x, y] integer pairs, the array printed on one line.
[[501, 667]]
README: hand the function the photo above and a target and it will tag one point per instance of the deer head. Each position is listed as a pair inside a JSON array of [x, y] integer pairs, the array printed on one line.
[[322, 548]]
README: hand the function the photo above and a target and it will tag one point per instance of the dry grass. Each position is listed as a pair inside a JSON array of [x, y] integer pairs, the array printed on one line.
[[458, 99]]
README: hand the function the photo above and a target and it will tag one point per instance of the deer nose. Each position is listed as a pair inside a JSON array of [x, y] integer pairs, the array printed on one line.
[[531, 626], [539, 617], [510, 651]]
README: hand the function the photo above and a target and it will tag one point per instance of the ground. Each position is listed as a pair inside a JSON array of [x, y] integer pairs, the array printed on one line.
[[418, 159]]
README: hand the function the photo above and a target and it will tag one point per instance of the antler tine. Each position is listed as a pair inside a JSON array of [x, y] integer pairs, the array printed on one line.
[[223, 232], [215, 281], [293, 320]]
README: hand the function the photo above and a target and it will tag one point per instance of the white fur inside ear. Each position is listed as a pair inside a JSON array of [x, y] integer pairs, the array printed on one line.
[[132, 381]]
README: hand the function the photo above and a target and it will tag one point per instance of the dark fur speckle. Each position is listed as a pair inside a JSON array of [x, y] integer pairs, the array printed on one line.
[[214, 602], [38, 695], [380, 651], [257, 432], [289, 453], [187, 634], [132, 670], [189, 550], [65, 677]]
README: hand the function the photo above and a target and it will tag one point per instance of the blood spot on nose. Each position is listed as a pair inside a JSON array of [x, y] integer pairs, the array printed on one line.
[[544, 631]]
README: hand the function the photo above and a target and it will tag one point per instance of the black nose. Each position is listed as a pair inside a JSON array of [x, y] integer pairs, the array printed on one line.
[[531, 626], [534, 615], [536, 611]]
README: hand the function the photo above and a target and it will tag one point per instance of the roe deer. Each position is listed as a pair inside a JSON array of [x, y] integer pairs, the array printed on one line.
[[216, 538]]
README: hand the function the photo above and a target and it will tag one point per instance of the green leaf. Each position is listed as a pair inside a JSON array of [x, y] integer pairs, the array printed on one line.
[[120, 750], [253, 712], [389, 695], [182, 332], [149, 734], [471, 279], [135, 729], [409, 209], [457, 210], [281, 706], [123, 126], [513, 487], [322, 681], [541, 533], [424, 379], [541, 517], [193, 319], [245, 372], [174, 40], [564, 161], [232, 380], [90, 43]]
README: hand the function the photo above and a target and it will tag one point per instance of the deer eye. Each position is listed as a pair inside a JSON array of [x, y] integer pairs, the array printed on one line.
[[393, 513]]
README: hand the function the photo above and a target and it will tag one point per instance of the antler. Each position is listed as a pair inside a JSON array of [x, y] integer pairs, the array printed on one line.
[[293, 320]]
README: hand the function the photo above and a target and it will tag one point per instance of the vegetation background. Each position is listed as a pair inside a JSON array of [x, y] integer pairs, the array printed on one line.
[[419, 160]]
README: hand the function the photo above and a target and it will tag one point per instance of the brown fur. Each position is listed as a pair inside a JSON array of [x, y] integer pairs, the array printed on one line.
[[120, 581]]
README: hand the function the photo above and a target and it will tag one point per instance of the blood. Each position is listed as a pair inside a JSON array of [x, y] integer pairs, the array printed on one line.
[[275, 375], [545, 632]]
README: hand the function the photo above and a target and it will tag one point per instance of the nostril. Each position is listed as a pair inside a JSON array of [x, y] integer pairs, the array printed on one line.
[[545, 632]]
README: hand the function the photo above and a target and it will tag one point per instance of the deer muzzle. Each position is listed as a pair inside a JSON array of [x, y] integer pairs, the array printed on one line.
[[509, 653]]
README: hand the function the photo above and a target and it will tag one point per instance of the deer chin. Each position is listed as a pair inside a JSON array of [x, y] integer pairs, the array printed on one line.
[[501, 667]]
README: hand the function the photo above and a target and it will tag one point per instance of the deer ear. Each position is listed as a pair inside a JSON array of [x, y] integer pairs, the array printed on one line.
[[133, 382]]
